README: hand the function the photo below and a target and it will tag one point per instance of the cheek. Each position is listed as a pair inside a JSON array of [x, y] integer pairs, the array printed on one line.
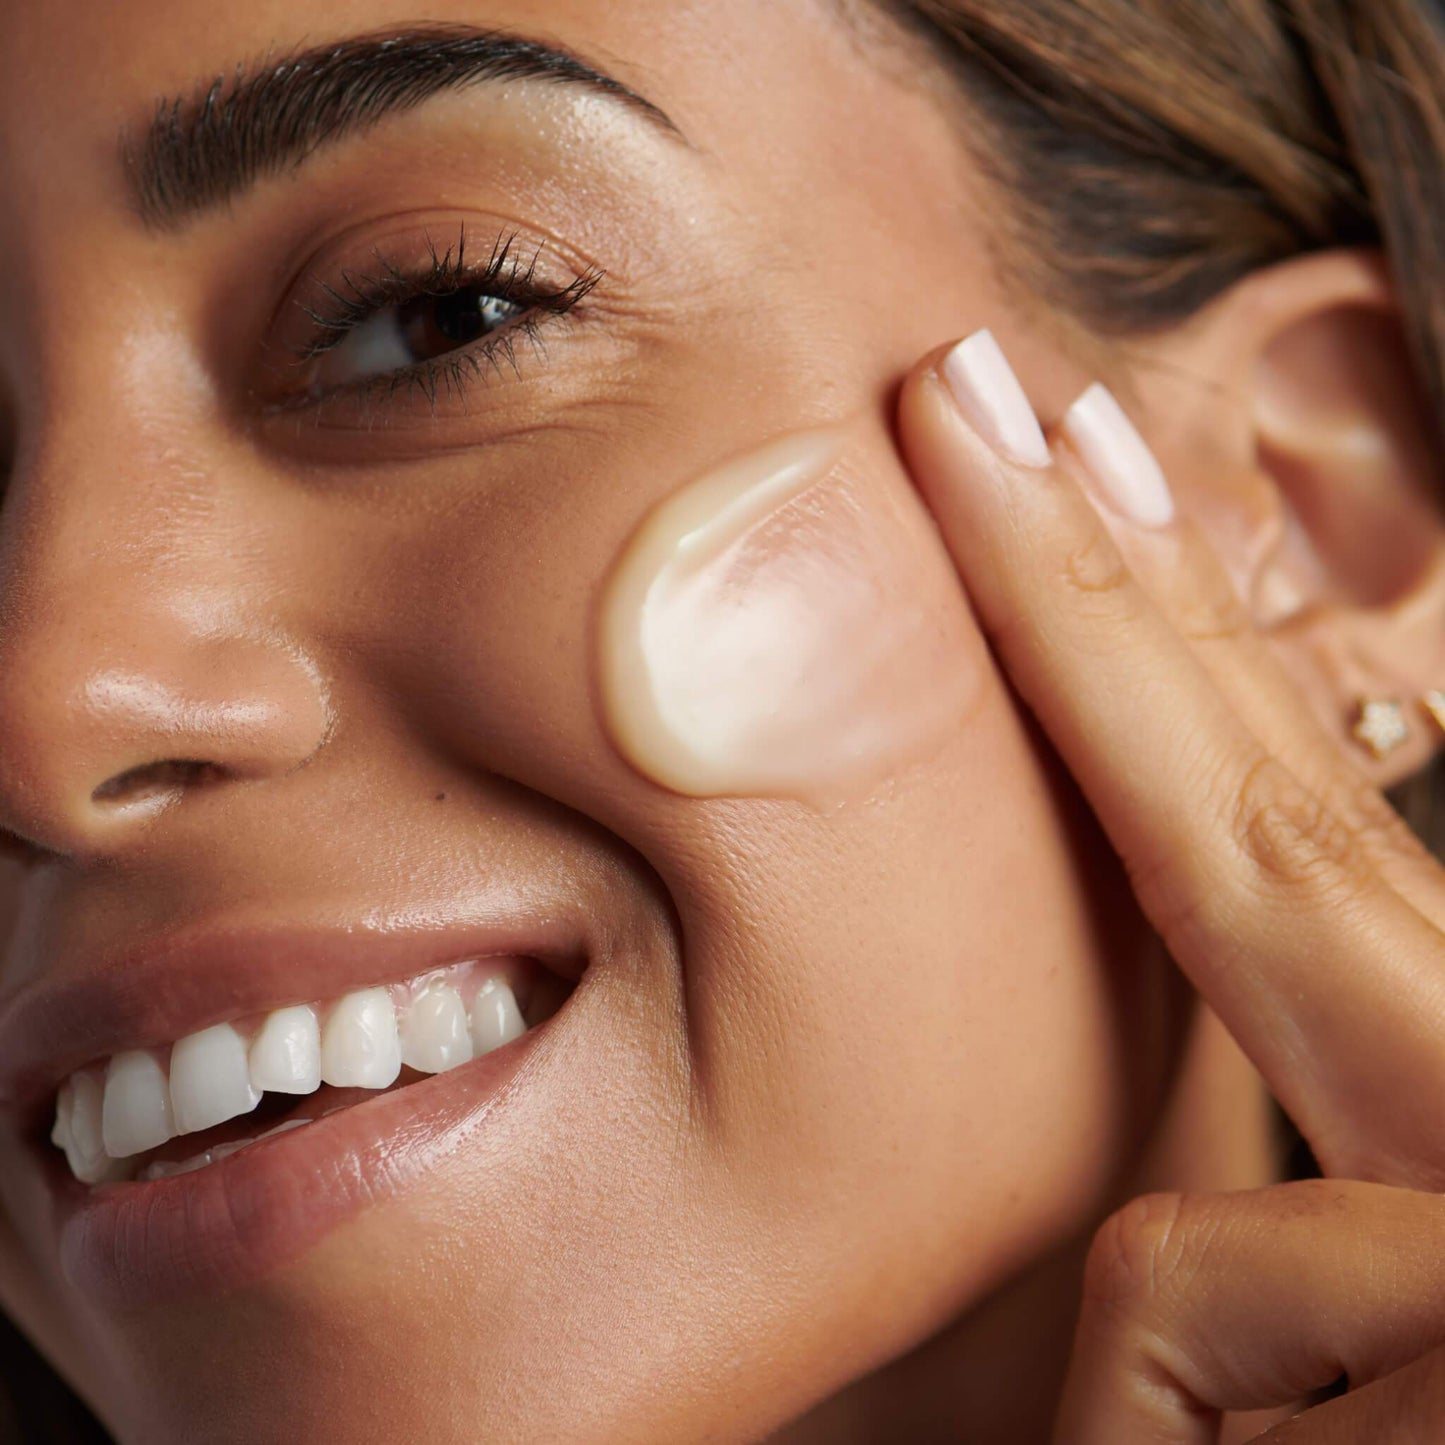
[[927, 1023], [785, 626], [897, 1006]]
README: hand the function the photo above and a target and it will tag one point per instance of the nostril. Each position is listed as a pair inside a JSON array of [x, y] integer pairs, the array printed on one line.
[[168, 775]]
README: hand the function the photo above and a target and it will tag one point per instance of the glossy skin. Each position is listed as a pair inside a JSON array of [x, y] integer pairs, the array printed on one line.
[[851, 1070]]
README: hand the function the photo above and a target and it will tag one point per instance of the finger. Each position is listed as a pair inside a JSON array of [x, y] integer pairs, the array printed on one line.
[[1406, 1408], [1329, 979], [1186, 578], [1198, 1304]]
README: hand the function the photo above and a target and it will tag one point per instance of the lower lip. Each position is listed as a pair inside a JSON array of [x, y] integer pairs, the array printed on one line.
[[131, 1245]]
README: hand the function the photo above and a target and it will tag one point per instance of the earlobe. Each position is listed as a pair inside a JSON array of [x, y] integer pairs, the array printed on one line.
[[1325, 494]]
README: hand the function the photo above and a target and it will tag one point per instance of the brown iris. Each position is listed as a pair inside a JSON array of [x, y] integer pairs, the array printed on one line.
[[433, 325]]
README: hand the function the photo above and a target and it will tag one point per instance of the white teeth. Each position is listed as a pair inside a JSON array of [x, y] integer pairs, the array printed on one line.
[[286, 1052], [85, 1153], [107, 1115], [434, 1033], [359, 1044], [64, 1108], [210, 1081], [136, 1110], [496, 1019]]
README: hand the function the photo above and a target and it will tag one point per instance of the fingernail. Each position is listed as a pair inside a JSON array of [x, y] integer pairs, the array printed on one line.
[[1118, 458], [992, 401]]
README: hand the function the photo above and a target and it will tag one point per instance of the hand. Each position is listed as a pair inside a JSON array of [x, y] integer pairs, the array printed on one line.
[[1285, 887]]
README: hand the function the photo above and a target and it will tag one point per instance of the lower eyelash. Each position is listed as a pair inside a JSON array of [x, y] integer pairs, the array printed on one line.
[[450, 373]]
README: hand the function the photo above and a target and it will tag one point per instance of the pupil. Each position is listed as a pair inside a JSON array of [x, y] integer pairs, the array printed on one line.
[[460, 317], [433, 325]]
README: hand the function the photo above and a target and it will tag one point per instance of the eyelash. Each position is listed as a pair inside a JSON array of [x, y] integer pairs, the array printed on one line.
[[503, 276]]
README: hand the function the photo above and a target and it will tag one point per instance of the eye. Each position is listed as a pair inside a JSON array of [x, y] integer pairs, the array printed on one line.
[[413, 322], [411, 333]]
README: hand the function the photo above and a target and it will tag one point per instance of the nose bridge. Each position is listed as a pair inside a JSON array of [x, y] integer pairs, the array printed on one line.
[[133, 662]]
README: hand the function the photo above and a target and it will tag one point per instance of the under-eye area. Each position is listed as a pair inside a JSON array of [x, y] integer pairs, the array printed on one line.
[[148, 1113]]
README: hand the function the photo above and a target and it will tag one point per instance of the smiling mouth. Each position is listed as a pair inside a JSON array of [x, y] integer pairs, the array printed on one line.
[[146, 1114]]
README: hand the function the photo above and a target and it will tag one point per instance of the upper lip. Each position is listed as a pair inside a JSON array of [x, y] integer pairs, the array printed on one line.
[[141, 996]]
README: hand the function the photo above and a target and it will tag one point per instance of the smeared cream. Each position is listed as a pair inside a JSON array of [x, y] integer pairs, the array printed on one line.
[[786, 626]]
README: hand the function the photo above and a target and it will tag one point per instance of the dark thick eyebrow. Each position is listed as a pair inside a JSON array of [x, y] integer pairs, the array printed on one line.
[[203, 149]]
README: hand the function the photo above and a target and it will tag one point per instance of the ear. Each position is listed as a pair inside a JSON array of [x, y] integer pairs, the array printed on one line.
[[1295, 429]]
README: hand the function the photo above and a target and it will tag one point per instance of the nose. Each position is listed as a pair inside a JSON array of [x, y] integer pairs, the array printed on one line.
[[139, 663]]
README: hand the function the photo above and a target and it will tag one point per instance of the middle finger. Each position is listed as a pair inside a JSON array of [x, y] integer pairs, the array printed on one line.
[[1185, 577], [1330, 980]]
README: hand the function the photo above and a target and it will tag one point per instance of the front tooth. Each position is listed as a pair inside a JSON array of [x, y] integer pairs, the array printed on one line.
[[210, 1080], [286, 1052], [359, 1045], [434, 1033], [64, 1108], [136, 1111], [86, 1152], [496, 1019]]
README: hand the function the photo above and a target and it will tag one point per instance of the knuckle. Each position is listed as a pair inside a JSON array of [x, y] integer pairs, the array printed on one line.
[[1135, 1254], [1213, 611], [1202, 624], [1290, 837], [1096, 580]]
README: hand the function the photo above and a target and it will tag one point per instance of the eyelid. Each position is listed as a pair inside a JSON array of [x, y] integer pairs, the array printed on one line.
[[501, 275], [512, 269]]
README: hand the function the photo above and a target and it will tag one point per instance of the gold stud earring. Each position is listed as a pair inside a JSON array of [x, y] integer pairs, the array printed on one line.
[[1434, 704], [1381, 726]]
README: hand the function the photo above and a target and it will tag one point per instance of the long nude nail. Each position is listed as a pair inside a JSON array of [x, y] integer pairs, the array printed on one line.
[[992, 401], [1118, 458]]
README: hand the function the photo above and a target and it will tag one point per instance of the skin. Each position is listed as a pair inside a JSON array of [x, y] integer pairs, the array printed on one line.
[[853, 1103]]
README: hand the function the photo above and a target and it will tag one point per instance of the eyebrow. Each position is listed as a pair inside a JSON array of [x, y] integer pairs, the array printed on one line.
[[204, 149]]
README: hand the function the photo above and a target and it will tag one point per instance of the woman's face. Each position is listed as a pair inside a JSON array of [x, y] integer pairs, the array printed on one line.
[[838, 1061]]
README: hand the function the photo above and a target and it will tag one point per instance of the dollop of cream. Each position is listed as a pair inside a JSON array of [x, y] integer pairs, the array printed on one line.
[[786, 626]]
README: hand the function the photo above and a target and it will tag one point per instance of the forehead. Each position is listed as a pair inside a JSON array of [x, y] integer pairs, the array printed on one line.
[[171, 43], [74, 75], [787, 103]]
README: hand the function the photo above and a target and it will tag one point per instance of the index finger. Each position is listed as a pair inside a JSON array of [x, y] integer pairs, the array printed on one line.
[[1331, 981]]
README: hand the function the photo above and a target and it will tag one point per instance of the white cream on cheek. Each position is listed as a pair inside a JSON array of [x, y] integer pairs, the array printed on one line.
[[784, 627]]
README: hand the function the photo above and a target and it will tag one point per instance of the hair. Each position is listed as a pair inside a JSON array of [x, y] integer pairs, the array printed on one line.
[[1155, 152]]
